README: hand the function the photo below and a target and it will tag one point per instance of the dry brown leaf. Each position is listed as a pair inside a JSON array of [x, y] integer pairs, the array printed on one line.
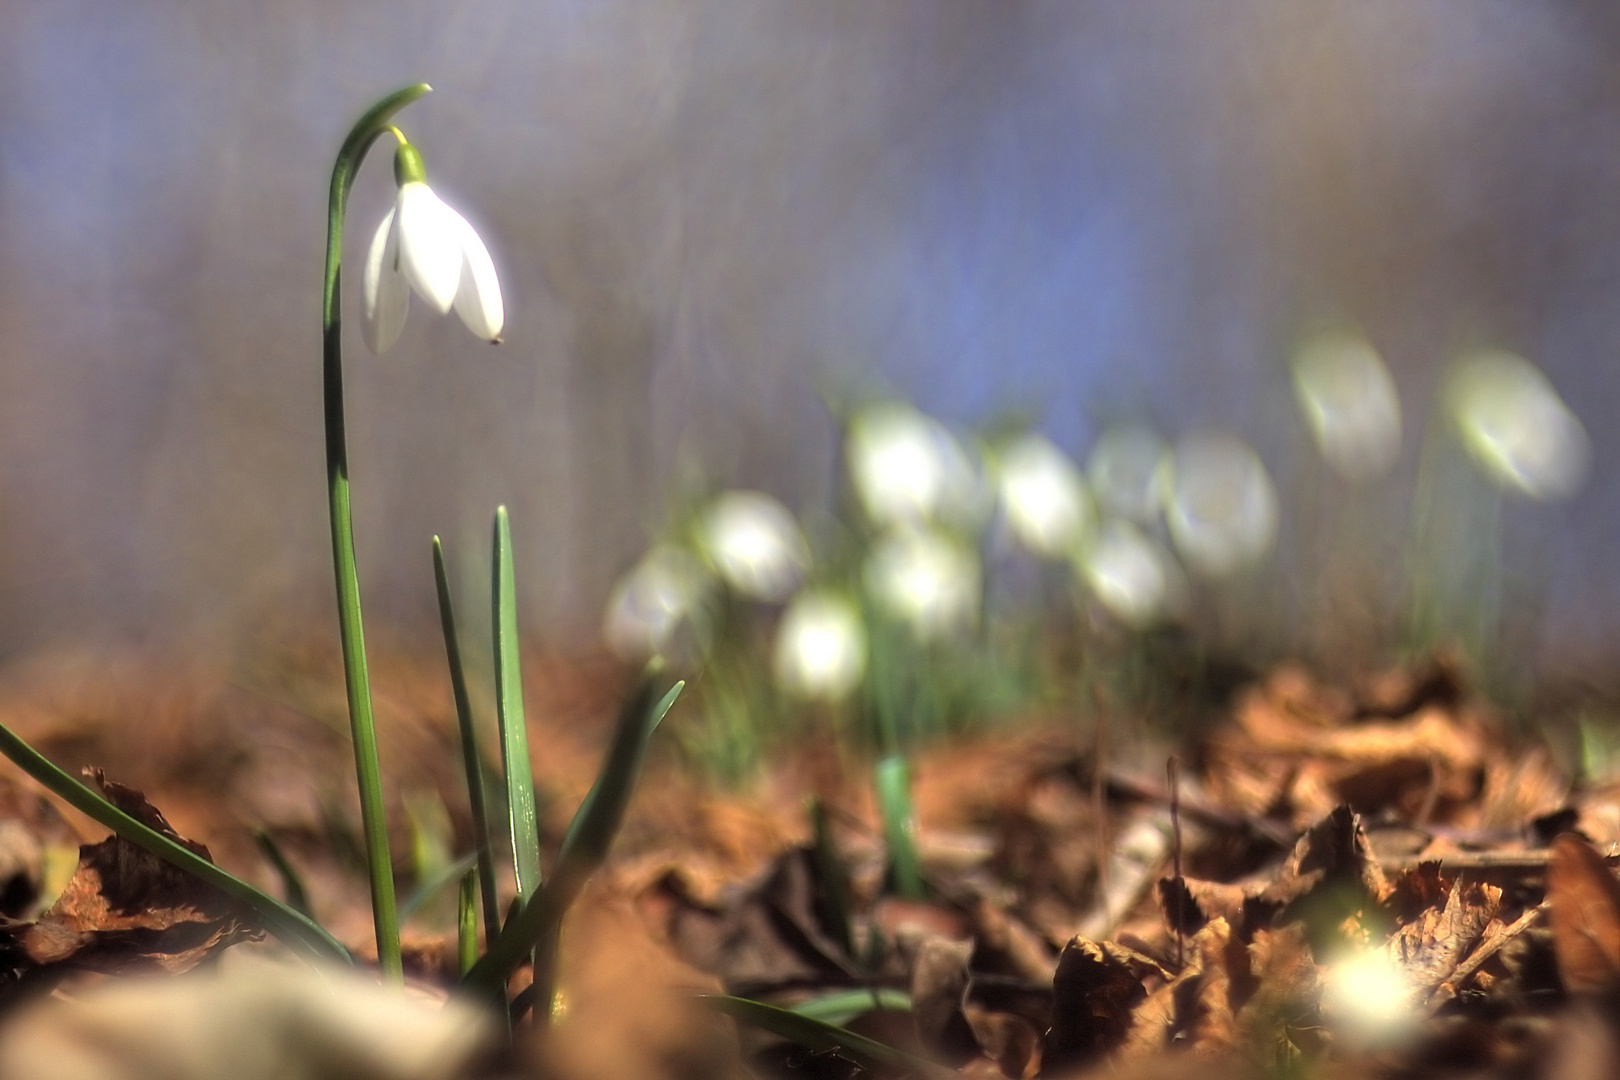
[[939, 981], [1094, 995], [1585, 901], [126, 910], [1192, 1012], [1280, 1014], [1430, 947]]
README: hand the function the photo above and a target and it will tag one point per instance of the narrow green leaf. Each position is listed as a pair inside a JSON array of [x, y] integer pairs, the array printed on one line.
[[470, 757], [514, 732], [587, 841], [842, 1006], [467, 923], [291, 883], [821, 1037], [893, 782], [292, 927], [429, 888]]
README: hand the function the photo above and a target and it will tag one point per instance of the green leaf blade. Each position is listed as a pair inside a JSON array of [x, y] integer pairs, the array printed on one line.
[[525, 830]]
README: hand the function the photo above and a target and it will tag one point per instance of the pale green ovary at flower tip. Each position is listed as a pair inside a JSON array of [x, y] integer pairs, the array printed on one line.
[[423, 244]]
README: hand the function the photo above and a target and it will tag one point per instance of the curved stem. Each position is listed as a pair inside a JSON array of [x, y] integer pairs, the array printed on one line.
[[368, 772]]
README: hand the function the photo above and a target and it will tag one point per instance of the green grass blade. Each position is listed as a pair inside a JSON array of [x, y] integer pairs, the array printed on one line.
[[291, 927], [514, 732], [587, 842], [429, 888], [291, 882], [467, 923], [842, 1006], [893, 782], [821, 1037], [470, 757]]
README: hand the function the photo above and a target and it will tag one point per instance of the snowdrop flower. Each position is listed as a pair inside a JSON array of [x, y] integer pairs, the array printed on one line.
[[425, 246], [649, 604], [1516, 426], [909, 468], [1124, 472], [926, 579], [1043, 496], [754, 544], [1219, 504], [1350, 404], [1132, 576], [820, 646], [1367, 993]]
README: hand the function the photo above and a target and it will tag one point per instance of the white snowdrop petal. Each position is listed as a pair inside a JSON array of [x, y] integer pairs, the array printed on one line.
[[385, 291], [1517, 427], [650, 603], [430, 245], [1132, 576], [820, 646], [1220, 506], [755, 544], [925, 579], [1043, 496], [1351, 405], [478, 296]]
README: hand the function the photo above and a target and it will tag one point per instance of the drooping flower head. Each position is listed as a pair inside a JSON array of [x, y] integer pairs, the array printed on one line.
[[754, 544], [1043, 496], [1516, 426], [1350, 403], [424, 246], [820, 646]]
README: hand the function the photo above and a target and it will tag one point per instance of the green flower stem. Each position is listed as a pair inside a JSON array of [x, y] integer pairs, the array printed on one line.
[[292, 927], [368, 772], [469, 748]]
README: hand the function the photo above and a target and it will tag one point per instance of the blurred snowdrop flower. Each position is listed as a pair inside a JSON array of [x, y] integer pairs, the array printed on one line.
[[1219, 504], [1124, 471], [754, 544], [1043, 496], [1132, 575], [907, 467], [1350, 404], [820, 646], [1516, 426], [424, 245], [649, 604], [1367, 994], [926, 579]]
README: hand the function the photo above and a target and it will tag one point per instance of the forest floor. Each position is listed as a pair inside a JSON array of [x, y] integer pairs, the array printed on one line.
[[1370, 879]]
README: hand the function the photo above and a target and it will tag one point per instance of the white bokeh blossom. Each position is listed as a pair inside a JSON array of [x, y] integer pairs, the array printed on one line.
[[1132, 575], [424, 246], [908, 468], [926, 579], [754, 544], [1350, 404], [820, 646], [666, 589], [1043, 496], [1516, 426], [1220, 505]]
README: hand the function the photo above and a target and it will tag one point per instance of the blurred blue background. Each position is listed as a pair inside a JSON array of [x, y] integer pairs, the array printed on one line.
[[706, 214]]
